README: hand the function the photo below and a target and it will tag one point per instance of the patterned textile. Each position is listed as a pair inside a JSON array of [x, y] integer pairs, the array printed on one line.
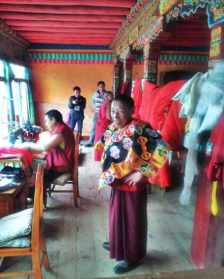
[[135, 147]]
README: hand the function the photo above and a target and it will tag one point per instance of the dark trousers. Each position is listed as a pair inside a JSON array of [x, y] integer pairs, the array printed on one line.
[[128, 225], [74, 120], [49, 177]]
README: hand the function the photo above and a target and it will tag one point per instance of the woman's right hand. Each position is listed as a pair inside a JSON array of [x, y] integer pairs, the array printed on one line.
[[134, 179]]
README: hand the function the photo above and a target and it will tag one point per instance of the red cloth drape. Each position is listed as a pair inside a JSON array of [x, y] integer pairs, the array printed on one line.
[[137, 97], [162, 102], [173, 128], [147, 99]]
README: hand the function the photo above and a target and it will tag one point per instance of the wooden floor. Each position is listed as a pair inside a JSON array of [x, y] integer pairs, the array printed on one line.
[[74, 236]]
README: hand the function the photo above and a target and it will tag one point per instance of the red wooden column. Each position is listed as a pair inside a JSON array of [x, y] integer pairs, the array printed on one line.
[[207, 247], [208, 230]]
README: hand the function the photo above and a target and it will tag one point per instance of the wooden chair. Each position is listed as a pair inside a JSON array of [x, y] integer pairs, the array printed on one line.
[[37, 242], [68, 178]]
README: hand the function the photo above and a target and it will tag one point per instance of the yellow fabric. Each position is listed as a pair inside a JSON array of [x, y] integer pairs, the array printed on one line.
[[214, 202]]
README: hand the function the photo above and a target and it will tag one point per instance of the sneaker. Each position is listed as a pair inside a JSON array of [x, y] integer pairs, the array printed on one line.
[[124, 266], [106, 245]]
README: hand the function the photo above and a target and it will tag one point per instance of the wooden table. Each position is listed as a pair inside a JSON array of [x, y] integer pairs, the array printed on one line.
[[13, 199]]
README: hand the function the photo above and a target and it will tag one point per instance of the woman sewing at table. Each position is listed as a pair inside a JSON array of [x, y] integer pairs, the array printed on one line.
[[57, 148]]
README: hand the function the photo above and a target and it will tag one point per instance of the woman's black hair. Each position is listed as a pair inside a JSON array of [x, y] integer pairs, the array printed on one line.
[[126, 101], [54, 114], [101, 82], [77, 88]]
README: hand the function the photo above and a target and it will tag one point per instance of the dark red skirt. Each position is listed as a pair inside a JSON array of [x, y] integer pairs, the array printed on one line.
[[128, 225]]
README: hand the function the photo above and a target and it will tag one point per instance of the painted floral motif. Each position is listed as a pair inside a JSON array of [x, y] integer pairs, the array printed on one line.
[[114, 152], [116, 137], [151, 133], [139, 130], [107, 134], [127, 143]]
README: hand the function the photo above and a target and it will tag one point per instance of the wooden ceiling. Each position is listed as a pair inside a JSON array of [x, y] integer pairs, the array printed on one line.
[[85, 22]]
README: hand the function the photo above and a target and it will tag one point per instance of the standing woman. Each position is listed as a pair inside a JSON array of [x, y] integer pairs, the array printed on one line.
[[76, 104], [132, 153]]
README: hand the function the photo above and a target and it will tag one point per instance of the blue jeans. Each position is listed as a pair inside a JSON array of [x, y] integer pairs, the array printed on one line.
[[73, 120]]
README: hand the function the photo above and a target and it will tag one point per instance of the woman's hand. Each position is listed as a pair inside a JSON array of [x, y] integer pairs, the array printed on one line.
[[134, 179]]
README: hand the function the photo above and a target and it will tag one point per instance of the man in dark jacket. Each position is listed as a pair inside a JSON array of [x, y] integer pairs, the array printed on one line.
[[77, 104]]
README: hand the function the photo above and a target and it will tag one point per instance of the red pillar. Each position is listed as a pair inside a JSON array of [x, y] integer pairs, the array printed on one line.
[[208, 230]]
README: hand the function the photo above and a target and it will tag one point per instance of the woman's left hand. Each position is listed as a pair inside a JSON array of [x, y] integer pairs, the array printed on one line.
[[134, 178]]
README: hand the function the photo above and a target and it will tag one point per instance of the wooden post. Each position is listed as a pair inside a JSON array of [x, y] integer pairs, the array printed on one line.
[[117, 75], [151, 55]]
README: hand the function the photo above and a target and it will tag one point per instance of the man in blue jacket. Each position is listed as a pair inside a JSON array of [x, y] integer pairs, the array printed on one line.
[[77, 104]]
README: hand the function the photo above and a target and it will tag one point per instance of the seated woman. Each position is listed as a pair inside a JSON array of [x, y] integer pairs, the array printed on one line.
[[57, 148], [132, 153], [103, 121]]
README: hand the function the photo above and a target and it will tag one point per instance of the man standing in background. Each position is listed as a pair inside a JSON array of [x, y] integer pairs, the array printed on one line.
[[97, 100], [76, 104]]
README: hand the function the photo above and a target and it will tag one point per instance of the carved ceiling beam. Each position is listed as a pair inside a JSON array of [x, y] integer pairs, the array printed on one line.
[[142, 25], [11, 35]]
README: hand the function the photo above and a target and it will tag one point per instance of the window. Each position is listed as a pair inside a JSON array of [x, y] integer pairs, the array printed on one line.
[[20, 102], [4, 124], [15, 100]]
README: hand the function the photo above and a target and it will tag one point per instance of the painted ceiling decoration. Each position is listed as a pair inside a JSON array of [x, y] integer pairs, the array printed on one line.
[[169, 23], [71, 57], [215, 13], [89, 22], [186, 8], [183, 59], [133, 33], [7, 32]]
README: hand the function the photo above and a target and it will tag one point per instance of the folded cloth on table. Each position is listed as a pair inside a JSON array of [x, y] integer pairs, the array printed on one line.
[[15, 225]]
